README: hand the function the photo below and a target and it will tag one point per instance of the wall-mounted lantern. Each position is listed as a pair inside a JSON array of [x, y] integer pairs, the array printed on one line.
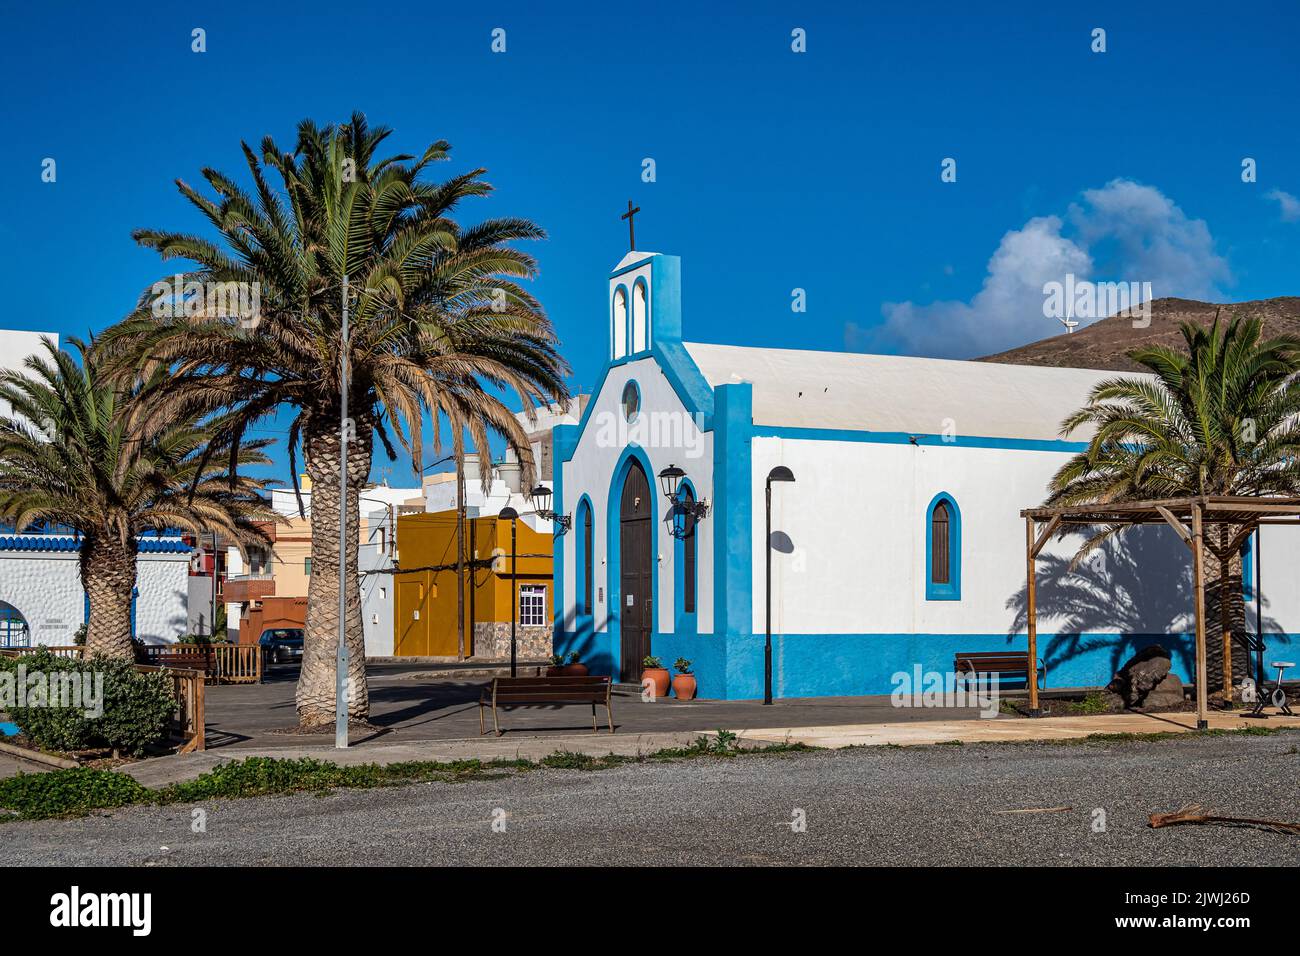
[[541, 496], [684, 512]]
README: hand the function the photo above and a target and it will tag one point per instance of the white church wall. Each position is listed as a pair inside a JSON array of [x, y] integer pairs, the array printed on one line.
[[668, 434], [1279, 573], [856, 516], [856, 520]]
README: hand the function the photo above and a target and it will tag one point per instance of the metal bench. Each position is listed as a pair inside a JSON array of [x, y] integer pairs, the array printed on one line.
[[520, 691], [997, 662]]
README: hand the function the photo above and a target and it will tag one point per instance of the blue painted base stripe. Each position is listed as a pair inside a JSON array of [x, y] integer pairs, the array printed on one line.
[[849, 665]]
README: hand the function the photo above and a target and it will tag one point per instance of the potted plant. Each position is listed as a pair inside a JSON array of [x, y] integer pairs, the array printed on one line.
[[574, 667], [653, 670], [684, 682], [557, 666]]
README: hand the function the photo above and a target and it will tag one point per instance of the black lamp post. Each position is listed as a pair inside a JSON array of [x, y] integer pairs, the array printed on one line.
[[511, 515], [779, 473]]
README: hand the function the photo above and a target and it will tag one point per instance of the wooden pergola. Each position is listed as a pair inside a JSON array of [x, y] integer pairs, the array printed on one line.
[[1189, 517]]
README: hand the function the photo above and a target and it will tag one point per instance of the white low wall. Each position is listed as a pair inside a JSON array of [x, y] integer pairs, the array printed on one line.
[[45, 587]]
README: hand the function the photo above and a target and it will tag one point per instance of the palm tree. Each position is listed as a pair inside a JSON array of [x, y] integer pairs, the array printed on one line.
[[440, 329], [1217, 419], [75, 451]]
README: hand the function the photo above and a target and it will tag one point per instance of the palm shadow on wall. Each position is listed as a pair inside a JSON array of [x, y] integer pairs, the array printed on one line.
[[583, 631], [1133, 591]]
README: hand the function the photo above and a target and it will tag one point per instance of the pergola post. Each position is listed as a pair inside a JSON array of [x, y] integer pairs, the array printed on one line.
[[1241, 513], [1198, 587], [1031, 615], [1225, 619]]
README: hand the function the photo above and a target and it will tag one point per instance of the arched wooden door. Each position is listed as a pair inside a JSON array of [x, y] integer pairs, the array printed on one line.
[[636, 563]]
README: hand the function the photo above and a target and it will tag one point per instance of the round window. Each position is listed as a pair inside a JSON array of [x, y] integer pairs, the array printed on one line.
[[631, 400]]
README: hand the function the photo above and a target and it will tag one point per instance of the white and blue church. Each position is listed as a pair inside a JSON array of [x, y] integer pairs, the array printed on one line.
[[897, 544]]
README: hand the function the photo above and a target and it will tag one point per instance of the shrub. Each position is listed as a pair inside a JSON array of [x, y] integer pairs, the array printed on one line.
[[569, 760], [651, 663], [62, 793], [136, 707], [257, 776]]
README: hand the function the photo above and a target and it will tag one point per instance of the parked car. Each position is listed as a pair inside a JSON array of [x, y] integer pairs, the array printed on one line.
[[282, 645]]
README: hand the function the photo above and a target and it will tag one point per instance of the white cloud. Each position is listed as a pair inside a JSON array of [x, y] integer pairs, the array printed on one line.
[[1122, 232], [1290, 205]]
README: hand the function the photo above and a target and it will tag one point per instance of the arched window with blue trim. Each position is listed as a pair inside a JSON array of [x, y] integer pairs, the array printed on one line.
[[1248, 568], [689, 557], [585, 562], [683, 528], [640, 320], [619, 331], [943, 549]]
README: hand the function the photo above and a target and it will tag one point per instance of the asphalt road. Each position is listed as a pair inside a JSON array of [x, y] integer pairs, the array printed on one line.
[[922, 805]]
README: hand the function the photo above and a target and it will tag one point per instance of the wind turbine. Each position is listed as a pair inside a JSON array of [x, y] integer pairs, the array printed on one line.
[[1069, 323]]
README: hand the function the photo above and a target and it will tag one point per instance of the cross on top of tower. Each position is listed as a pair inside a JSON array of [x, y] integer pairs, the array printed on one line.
[[631, 232]]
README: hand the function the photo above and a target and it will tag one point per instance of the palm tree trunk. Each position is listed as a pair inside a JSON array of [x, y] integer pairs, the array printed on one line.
[[108, 575], [316, 682], [1226, 651]]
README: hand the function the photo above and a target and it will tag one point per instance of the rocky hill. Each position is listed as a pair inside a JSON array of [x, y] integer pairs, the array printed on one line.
[[1104, 343]]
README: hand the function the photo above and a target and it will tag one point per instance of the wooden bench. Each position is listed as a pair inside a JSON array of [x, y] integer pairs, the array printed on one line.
[[996, 662], [183, 657], [516, 691]]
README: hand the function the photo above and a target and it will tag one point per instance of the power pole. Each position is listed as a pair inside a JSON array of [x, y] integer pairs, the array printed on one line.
[[212, 625]]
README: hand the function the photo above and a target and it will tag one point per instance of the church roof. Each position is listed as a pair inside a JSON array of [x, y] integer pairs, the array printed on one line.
[[901, 394]]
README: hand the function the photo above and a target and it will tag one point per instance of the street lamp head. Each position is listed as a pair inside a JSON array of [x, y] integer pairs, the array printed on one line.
[[780, 473], [670, 479], [508, 514], [541, 496], [435, 464]]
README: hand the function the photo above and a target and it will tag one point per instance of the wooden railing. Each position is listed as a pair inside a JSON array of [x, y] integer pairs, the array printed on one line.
[[239, 663], [188, 717], [187, 690], [222, 663], [69, 650]]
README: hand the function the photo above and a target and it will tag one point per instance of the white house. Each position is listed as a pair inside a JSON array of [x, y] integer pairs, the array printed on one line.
[[41, 598], [898, 543]]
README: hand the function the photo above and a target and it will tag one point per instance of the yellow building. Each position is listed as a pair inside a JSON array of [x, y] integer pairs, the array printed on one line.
[[425, 618]]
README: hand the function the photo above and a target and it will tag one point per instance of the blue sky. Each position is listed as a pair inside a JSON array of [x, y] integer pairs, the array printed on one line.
[[775, 170]]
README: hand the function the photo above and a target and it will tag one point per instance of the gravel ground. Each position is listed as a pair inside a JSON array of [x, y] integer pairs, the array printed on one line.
[[921, 805]]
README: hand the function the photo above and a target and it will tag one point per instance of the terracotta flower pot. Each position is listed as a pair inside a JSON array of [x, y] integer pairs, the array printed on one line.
[[684, 686], [574, 670], [660, 677], [555, 670]]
